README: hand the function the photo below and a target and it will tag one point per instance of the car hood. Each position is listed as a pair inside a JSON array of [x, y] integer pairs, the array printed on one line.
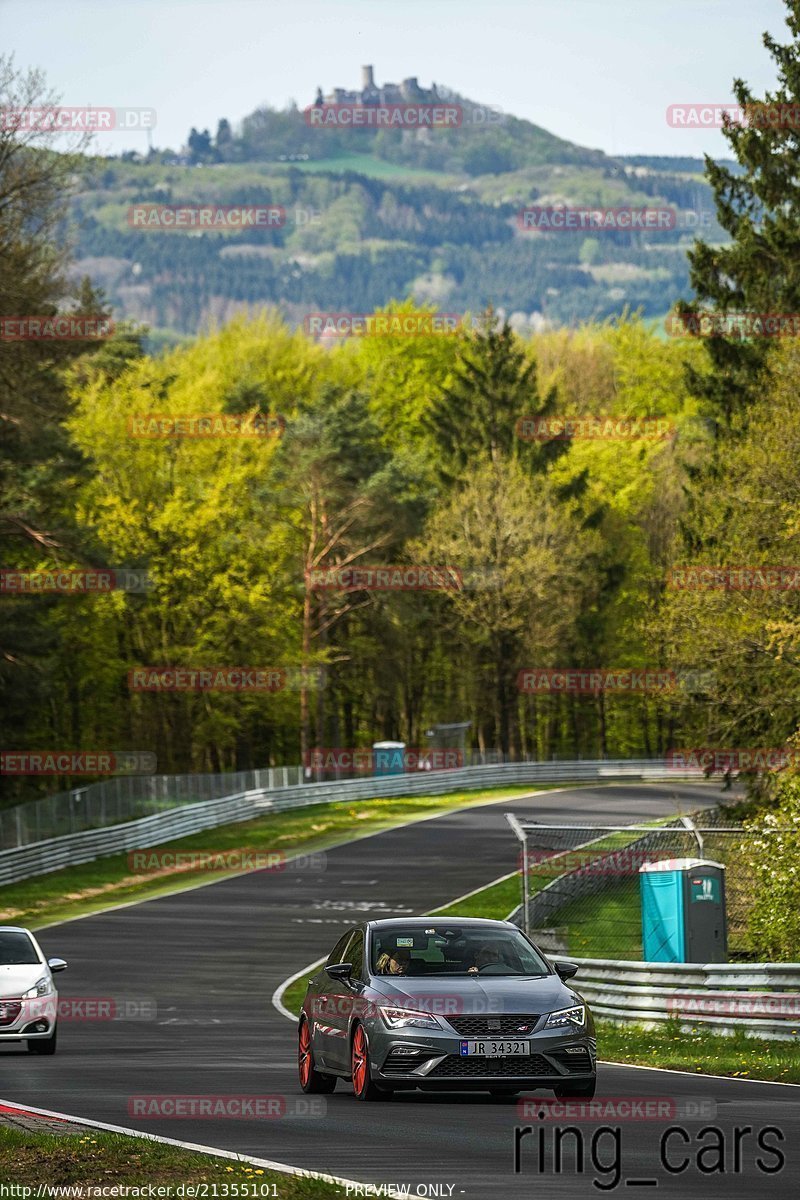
[[492, 994], [16, 979]]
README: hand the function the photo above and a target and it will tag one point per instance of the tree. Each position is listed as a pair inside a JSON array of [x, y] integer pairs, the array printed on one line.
[[759, 206], [494, 385], [519, 552]]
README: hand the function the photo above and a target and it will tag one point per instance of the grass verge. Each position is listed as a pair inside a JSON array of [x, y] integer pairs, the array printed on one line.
[[77, 891], [699, 1051], [95, 1157]]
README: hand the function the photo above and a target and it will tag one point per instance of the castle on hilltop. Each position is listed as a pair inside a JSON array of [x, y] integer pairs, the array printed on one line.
[[408, 92]]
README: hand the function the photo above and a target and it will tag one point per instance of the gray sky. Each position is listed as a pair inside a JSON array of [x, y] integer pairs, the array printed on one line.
[[598, 72]]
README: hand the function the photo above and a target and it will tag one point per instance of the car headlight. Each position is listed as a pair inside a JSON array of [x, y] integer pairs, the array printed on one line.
[[42, 987], [566, 1016], [408, 1018]]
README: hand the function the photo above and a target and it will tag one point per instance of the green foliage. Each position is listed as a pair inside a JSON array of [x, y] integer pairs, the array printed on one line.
[[774, 858]]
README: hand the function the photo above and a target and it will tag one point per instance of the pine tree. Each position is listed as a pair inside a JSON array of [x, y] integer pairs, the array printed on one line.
[[759, 206], [495, 386]]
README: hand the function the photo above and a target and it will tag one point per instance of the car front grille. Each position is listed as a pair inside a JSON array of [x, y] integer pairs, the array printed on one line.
[[491, 1025], [9, 1011], [516, 1065]]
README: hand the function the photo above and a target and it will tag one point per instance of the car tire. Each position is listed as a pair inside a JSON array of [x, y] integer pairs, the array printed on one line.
[[312, 1081], [574, 1091], [43, 1045], [363, 1087]]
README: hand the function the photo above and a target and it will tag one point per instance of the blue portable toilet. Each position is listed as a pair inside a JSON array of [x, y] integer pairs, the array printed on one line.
[[388, 758], [683, 911]]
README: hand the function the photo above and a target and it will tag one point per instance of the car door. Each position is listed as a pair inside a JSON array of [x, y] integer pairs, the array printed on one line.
[[326, 1008], [343, 1002]]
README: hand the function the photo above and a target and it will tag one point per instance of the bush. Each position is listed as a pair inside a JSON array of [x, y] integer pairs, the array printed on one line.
[[774, 923]]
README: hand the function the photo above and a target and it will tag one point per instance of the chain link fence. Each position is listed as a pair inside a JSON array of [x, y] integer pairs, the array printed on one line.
[[129, 797], [583, 891]]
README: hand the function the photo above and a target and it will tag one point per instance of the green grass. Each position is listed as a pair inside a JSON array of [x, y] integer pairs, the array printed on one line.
[[376, 168], [76, 891], [700, 1052], [94, 1158], [607, 924]]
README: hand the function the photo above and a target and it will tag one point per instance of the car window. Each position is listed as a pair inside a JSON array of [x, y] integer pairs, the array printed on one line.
[[453, 950], [355, 954], [17, 949], [336, 953]]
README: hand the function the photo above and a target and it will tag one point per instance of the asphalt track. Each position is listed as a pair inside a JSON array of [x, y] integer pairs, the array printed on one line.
[[212, 957]]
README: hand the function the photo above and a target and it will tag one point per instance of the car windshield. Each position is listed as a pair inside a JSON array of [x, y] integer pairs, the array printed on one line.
[[16, 949], [454, 950]]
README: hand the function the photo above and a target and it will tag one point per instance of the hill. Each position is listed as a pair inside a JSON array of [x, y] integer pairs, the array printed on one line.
[[374, 215]]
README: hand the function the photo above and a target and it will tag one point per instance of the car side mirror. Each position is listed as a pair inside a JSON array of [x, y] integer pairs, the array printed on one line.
[[341, 971], [565, 970], [56, 964]]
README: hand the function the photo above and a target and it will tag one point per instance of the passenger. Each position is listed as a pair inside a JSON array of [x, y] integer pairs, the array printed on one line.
[[394, 962]]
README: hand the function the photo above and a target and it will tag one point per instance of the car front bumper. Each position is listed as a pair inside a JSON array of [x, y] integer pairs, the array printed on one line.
[[433, 1060], [35, 1019]]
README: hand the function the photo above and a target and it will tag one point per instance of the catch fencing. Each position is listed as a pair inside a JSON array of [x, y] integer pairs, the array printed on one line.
[[271, 791], [583, 880]]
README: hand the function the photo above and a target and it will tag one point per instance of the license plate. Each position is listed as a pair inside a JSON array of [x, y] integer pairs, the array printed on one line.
[[491, 1048]]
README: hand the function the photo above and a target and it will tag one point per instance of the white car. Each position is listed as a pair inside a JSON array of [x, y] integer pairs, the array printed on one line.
[[28, 996]]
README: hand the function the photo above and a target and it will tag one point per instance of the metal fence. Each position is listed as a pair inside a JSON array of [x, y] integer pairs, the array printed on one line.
[[760, 999], [127, 798], [583, 881], [173, 815]]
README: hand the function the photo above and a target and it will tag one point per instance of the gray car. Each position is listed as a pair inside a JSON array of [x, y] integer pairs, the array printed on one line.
[[444, 1004]]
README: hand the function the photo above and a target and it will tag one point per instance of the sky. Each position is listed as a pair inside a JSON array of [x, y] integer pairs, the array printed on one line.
[[600, 73]]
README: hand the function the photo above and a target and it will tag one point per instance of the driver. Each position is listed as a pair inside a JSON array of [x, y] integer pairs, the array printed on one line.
[[486, 954], [394, 962]]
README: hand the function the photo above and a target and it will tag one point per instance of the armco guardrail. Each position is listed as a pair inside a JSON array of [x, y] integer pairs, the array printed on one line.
[[39, 858], [763, 999]]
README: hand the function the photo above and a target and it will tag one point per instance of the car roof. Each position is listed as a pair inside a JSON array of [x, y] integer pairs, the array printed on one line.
[[425, 922], [15, 929]]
